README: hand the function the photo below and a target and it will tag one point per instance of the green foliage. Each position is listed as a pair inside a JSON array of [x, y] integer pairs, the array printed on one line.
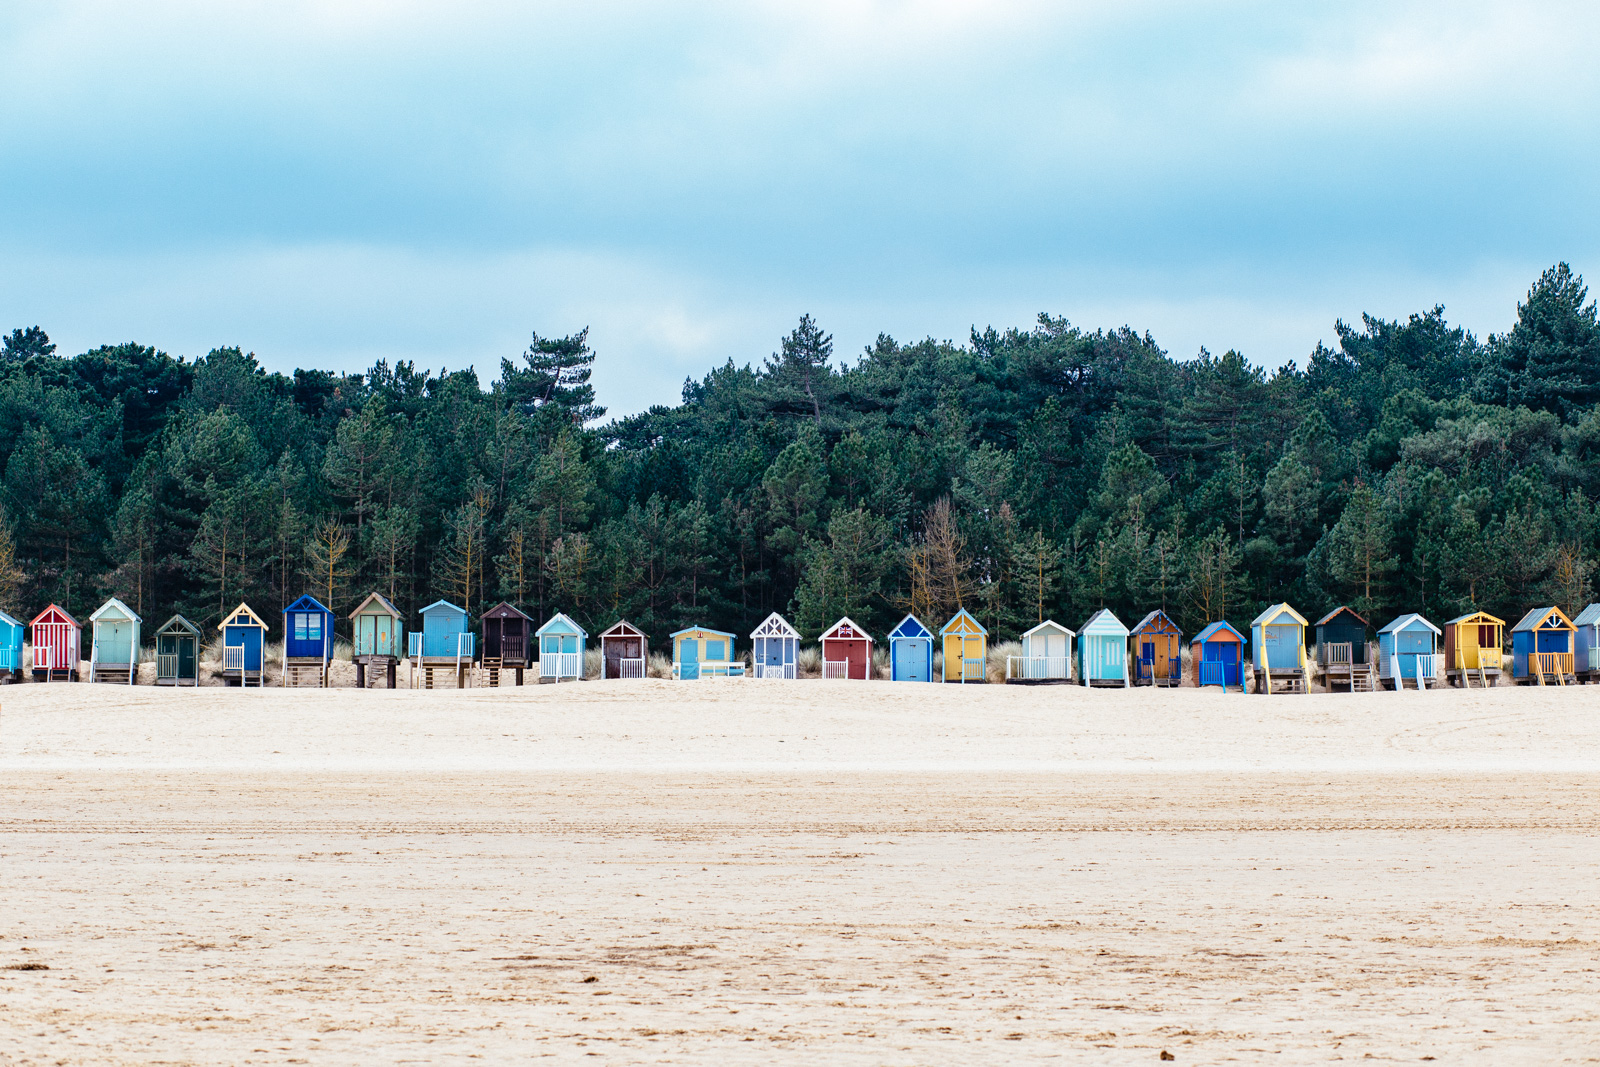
[[1023, 474]]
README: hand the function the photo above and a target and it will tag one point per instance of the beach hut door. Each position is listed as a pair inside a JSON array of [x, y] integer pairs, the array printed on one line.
[[689, 659], [913, 658]]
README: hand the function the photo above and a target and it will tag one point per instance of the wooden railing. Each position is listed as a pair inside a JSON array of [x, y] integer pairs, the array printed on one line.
[[774, 670], [710, 669], [1336, 654], [836, 668], [166, 665], [1556, 663], [630, 668], [8, 659], [560, 665], [513, 648], [972, 670], [1147, 671], [1215, 672], [1038, 668], [233, 657]]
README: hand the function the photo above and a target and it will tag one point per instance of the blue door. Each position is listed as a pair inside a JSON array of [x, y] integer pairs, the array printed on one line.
[[911, 660], [689, 660]]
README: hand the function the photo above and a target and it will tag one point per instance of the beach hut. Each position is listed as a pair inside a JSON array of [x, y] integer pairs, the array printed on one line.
[[114, 644], [1342, 650], [846, 651], [1541, 648], [966, 649], [1473, 647], [1586, 661], [505, 642], [178, 652], [561, 647], [774, 648], [1046, 655], [1278, 636], [1408, 647], [1217, 656], [1157, 651], [12, 638], [56, 637], [1103, 651], [699, 653], [624, 651], [444, 643], [911, 651], [377, 638], [307, 644], [244, 642]]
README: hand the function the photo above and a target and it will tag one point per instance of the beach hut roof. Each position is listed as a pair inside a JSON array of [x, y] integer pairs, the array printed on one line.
[[971, 625], [444, 605], [1210, 633], [385, 607], [1475, 618], [6, 618], [702, 630], [242, 611], [910, 626], [1154, 621], [179, 624], [622, 628], [560, 623], [1407, 622], [1589, 616], [1047, 625], [505, 610], [307, 603], [56, 609], [1342, 610], [114, 607], [1103, 623], [856, 630], [1268, 617], [1533, 619], [775, 625]]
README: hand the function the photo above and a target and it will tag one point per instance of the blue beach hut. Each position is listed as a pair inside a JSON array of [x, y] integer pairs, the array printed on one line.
[[11, 639], [1278, 636], [561, 648], [774, 648], [244, 639], [1218, 656], [307, 643], [1408, 647], [1541, 647], [114, 644], [910, 651], [1587, 623], [445, 641], [1103, 651]]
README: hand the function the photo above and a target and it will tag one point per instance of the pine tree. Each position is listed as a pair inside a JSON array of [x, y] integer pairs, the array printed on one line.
[[1359, 551], [555, 377], [326, 567]]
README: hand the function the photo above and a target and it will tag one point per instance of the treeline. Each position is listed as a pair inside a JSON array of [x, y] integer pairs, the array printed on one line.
[[1024, 474]]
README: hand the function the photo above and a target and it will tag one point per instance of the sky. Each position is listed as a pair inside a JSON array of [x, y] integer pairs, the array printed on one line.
[[331, 182]]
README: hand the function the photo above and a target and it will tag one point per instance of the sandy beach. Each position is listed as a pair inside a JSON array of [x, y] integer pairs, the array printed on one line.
[[827, 872]]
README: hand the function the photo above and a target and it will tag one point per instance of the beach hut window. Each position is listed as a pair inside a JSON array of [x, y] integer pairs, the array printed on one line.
[[307, 627], [715, 650]]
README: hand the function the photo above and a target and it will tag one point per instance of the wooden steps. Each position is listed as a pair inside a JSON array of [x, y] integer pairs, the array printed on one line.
[[304, 675], [111, 675]]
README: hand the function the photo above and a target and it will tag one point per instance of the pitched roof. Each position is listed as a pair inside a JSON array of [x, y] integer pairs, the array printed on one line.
[[702, 630], [178, 622], [383, 602], [1342, 610], [622, 628], [1480, 617], [1532, 619], [506, 610], [1275, 611], [1049, 622], [1151, 619], [5, 617], [307, 603], [962, 613], [561, 623], [59, 610], [1589, 616], [1215, 628], [1103, 623], [115, 605], [916, 629], [857, 632], [1406, 621], [242, 609], [775, 625], [445, 604]]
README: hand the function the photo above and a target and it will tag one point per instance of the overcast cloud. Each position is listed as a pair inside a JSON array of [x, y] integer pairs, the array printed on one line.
[[328, 183]]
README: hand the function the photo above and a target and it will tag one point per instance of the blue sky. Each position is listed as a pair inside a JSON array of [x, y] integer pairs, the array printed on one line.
[[327, 183]]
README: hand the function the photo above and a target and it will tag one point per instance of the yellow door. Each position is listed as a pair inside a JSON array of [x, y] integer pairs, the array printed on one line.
[[952, 657]]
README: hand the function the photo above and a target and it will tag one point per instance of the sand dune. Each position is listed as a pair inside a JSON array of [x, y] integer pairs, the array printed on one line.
[[798, 872]]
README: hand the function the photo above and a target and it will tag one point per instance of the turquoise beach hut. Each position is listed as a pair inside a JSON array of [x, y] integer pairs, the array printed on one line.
[[11, 638], [114, 644], [561, 648], [1408, 647], [444, 642], [910, 651], [1103, 651], [1278, 636]]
